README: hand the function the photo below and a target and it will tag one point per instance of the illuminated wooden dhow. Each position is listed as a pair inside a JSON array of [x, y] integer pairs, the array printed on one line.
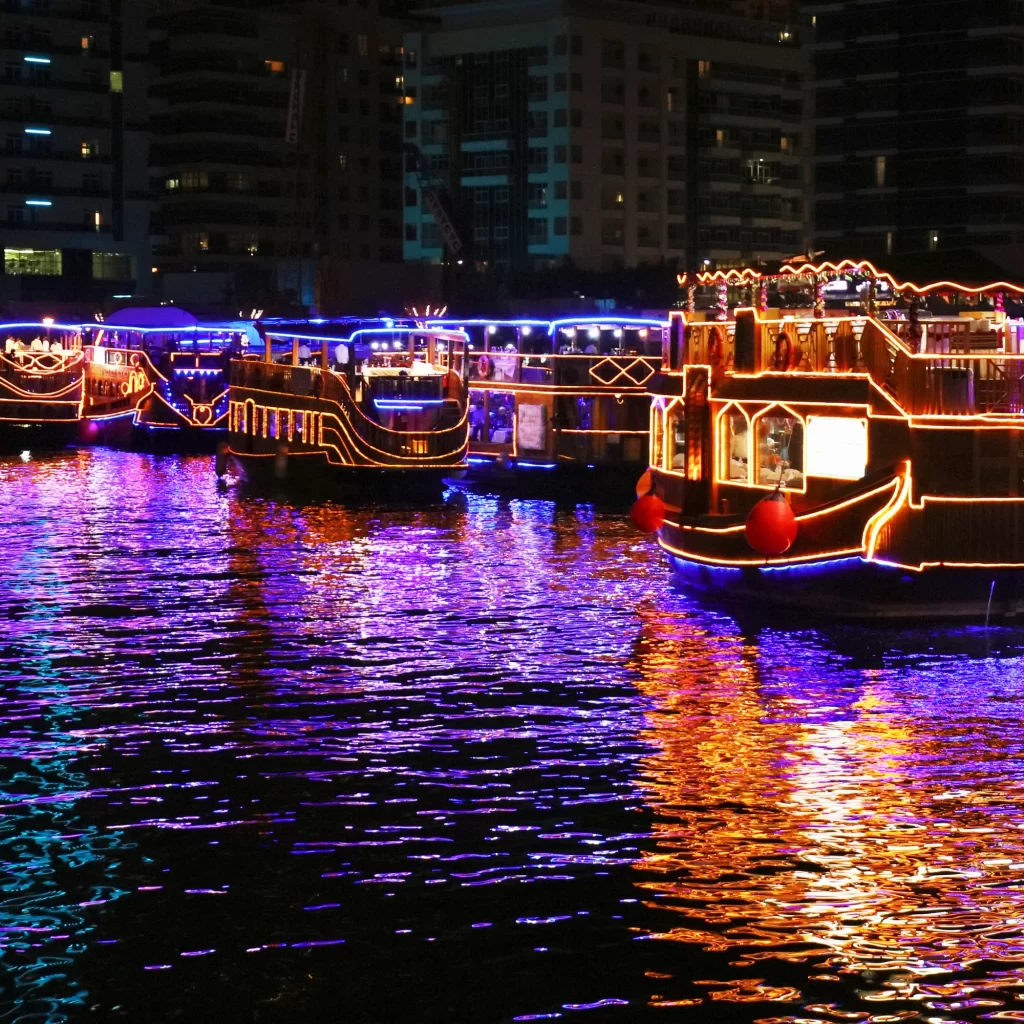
[[61, 383], [895, 444], [187, 361], [42, 376], [382, 404], [562, 401]]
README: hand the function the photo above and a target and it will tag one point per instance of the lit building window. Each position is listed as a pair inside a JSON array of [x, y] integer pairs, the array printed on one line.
[[888, 242], [933, 240], [274, 67], [89, 150], [87, 45], [172, 184], [194, 181], [117, 81], [112, 266], [97, 219], [880, 171], [35, 262]]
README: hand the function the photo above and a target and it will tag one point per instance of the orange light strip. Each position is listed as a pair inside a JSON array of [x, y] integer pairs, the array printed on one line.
[[867, 267]]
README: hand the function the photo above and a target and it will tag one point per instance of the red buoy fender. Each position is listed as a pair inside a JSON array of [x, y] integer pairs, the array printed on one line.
[[771, 526], [648, 513], [484, 366]]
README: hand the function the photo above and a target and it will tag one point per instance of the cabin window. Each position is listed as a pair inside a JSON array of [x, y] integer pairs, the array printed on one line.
[[657, 433], [735, 448], [675, 439], [477, 415], [584, 413], [285, 422], [501, 409], [837, 447], [272, 423], [780, 451], [300, 423]]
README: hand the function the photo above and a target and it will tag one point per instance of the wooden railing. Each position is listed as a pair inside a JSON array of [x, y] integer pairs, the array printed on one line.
[[959, 371]]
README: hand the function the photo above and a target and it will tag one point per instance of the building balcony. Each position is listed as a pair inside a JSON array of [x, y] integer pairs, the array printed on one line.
[[77, 227], [8, 188], [84, 12]]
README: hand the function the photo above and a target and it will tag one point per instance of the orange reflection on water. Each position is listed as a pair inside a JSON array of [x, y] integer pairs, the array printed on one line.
[[855, 825]]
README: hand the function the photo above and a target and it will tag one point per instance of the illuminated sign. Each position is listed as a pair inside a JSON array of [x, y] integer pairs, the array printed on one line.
[[837, 447]]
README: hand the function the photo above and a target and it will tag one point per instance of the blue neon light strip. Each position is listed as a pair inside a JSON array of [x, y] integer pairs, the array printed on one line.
[[38, 131], [38, 202], [793, 567], [397, 403], [37, 60], [604, 321]]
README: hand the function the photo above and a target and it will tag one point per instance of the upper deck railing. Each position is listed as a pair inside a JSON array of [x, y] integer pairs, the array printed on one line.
[[949, 366]]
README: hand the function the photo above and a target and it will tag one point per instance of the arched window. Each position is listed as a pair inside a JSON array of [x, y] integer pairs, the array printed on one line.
[[779, 449], [657, 433], [675, 438], [734, 446]]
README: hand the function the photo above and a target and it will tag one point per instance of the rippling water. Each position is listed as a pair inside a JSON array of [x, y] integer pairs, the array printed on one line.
[[266, 761]]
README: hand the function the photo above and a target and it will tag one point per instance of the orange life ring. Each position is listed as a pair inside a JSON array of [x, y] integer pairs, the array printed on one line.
[[134, 359], [783, 358], [116, 358], [484, 366]]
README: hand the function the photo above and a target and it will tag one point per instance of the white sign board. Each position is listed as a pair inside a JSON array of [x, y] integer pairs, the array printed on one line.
[[530, 421], [837, 447]]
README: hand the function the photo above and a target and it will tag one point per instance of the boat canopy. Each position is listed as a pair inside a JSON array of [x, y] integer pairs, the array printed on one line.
[[170, 317]]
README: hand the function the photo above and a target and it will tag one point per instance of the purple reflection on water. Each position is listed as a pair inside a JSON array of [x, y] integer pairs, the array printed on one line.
[[317, 762]]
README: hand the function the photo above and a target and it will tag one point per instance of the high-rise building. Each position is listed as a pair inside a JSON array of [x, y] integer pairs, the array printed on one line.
[[277, 148], [918, 124], [608, 133], [75, 217]]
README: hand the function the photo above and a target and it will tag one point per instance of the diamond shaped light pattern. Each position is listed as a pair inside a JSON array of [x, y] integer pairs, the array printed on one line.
[[635, 372]]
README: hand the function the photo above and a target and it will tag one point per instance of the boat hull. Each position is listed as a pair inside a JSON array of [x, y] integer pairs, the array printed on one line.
[[313, 472], [856, 589], [182, 440], [610, 483], [21, 437]]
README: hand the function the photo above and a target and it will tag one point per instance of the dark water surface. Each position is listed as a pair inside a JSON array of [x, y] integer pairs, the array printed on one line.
[[264, 761]]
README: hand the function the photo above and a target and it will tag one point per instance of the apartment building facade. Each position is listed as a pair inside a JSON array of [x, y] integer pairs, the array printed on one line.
[[918, 124], [611, 134], [276, 146], [75, 197]]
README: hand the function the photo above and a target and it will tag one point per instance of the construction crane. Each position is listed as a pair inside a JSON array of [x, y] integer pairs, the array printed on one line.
[[436, 197]]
